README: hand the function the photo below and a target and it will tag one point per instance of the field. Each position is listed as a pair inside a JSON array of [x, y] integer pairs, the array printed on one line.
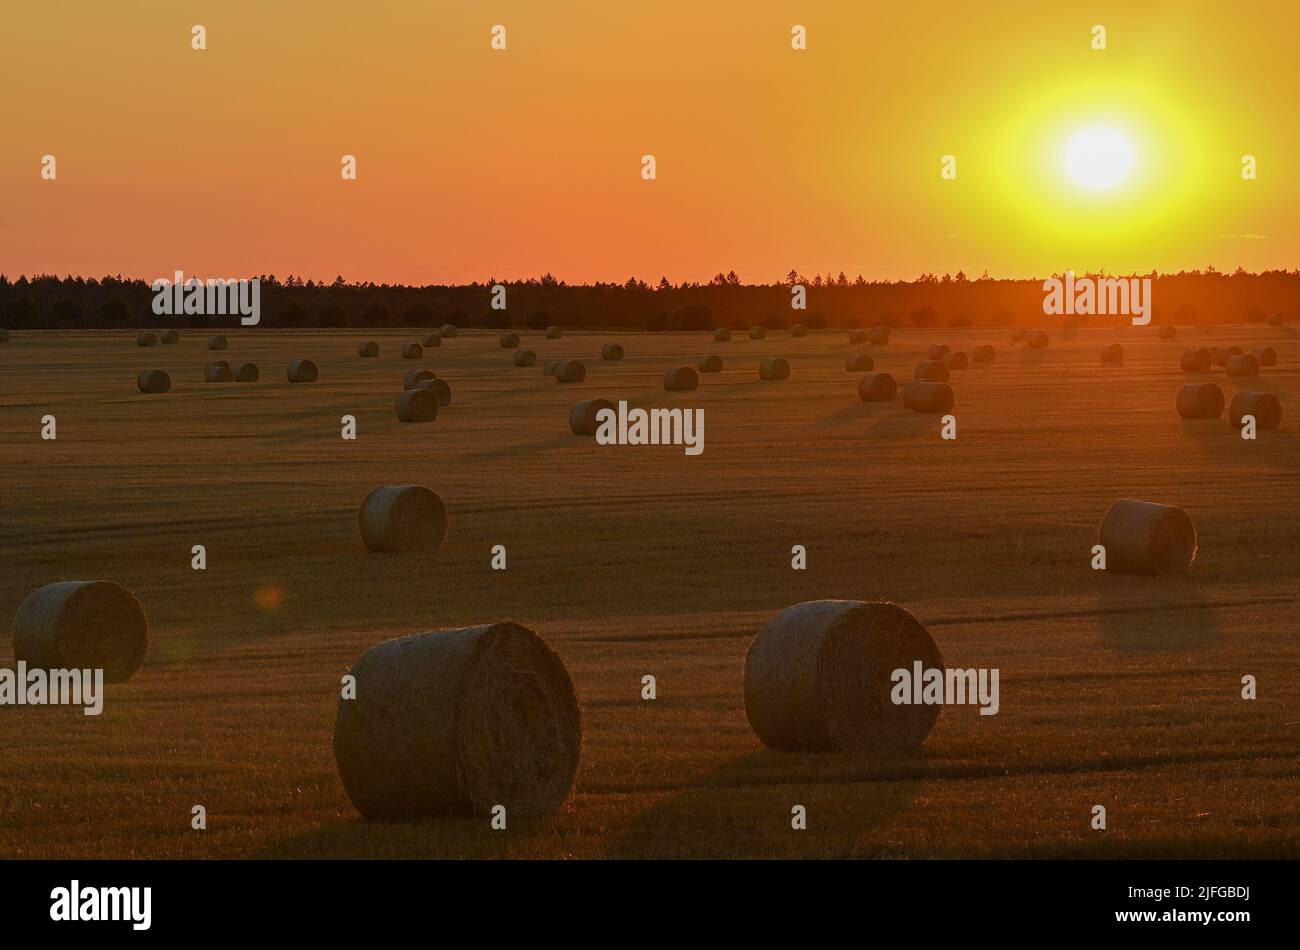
[[1115, 690]]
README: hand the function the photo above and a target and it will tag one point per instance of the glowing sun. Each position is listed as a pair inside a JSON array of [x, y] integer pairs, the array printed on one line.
[[1098, 158]]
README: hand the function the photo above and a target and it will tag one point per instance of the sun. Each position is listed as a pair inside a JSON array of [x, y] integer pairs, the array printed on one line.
[[1098, 158]]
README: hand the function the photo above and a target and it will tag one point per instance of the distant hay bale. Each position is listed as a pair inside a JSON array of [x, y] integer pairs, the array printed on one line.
[[938, 351], [859, 363], [439, 387], [448, 330], [1275, 320], [368, 348], [548, 368], [1266, 355], [153, 381], [709, 364], [412, 351], [86, 625], [1243, 365], [570, 371], [983, 354], [417, 405], [878, 336], [1141, 537], [217, 343], [582, 417], [397, 518], [1167, 332], [758, 333], [170, 336], [554, 333], [1112, 354], [773, 369], [432, 339], [1265, 407], [525, 358], [417, 376], [218, 372], [1200, 401], [302, 371], [932, 369], [926, 395], [721, 335], [956, 360], [455, 722], [146, 338], [1196, 361], [509, 340], [247, 373], [857, 336], [681, 379], [1019, 335], [877, 387], [819, 676], [798, 330], [1038, 340], [1221, 356], [611, 352]]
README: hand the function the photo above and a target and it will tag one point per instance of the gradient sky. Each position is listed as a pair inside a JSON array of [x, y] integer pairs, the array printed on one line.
[[475, 163]]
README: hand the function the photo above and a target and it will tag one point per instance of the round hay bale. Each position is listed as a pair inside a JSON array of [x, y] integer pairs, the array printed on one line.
[[819, 676], [417, 376], [1037, 340], [417, 405], [432, 339], [877, 387], [932, 369], [938, 351], [758, 333], [302, 371], [722, 334], [582, 417], [1200, 401], [878, 336], [859, 363], [548, 368], [554, 333], [1275, 320], [170, 336], [926, 395], [509, 340], [217, 343], [396, 518], [857, 337], [798, 330], [1167, 332], [681, 379], [1196, 361], [1221, 356], [454, 722], [368, 348], [570, 371], [984, 354], [1112, 354], [525, 358], [439, 387], [774, 369], [1019, 335], [1265, 407], [82, 625], [447, 330], [146, 338], [611, 352], [1243, 365], [709, 364], [218, 372], [1266, 355], [247, 373], [1141, 537], [153, 381], [957, 360], [412, 351]]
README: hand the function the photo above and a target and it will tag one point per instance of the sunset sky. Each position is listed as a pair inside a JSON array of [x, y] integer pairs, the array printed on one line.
[[475, 163]]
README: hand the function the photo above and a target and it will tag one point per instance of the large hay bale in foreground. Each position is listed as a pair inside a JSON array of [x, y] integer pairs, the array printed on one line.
[[709, 364], [247, 373], [877, 387], [722, 334], [412, 351], [417, 376], [1037, 340], [798, 330], [439, 387], [554, 333], [926, 395], [582, 417], [1196, 361], [71, 625], [153, 381], [1112, 354], [878, 336], [146, 338], [1266, 355], [1265, 407], [509, 340], [454, 722], [219, 372], [681, 379], [525, 358], [1166, 332], [774, 369], [956, 360], [397, 518], [938, 351], [984, 354], [218, 343], [302, 371], [1200, 401], [1141, 537], [1221, 356], [932, 369], [857, 337], [447, 330], [819, 675], [859, 363], [570, 371], [417, 405], [432, 339], [368, 348], [1244, 365], [611, 352], [758, 333]]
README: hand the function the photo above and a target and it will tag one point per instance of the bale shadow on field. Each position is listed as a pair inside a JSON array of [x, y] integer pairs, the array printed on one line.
[[904, 424], [1031, 357], [351, 836], [744, 808], [854, 412], [1169, 614]]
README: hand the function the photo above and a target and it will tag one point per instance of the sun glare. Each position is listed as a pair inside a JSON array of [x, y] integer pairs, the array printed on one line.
[[1098, 158]]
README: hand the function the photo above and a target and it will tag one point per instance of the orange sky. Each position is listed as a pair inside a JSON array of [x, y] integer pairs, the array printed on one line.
[[475, 163]]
